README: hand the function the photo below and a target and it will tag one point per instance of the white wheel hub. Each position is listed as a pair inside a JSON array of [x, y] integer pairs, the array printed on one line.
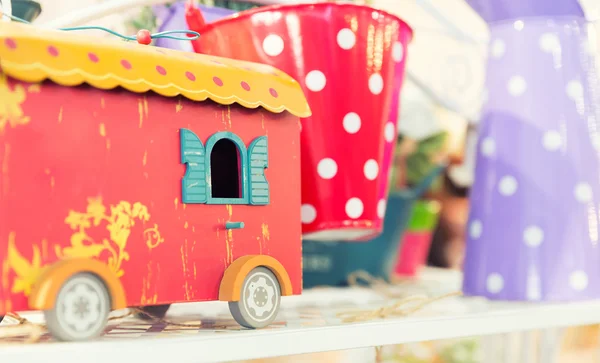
[[260, 293], [81, 306]]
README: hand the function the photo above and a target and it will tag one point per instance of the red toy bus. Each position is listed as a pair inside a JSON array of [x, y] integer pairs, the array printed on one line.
[[134, 176]]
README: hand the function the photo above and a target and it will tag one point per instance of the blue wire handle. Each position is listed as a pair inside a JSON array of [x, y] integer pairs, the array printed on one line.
[[163, 35]]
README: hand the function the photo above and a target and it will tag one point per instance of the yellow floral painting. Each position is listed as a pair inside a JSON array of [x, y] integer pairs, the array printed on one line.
[[26, 271], [11, 111], [118, 220]]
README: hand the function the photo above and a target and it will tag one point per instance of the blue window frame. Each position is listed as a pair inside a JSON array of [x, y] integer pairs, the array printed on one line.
[[222, 168], [193, 184], [258, 186], [224, 171]]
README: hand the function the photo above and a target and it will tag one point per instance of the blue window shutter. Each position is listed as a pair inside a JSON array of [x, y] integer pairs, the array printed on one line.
[[258, 157], [193, 185], [243, 160]]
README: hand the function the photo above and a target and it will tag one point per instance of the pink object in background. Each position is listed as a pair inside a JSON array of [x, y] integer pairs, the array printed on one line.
[[413, 252], [416, 241], [350, 61]]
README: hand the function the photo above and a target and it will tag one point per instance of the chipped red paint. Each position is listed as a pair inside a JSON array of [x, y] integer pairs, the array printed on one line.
[[85, 143]]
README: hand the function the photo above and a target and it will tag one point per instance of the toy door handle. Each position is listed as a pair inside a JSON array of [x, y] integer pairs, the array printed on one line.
[[234, 225]]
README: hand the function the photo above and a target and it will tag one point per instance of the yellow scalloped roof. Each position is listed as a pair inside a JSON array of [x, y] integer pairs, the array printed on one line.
[[33, 54]]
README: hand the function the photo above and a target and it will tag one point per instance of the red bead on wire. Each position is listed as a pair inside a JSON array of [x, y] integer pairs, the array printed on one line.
[[144, 37]]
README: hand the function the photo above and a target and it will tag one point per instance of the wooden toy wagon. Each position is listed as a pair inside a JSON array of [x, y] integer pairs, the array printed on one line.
[[138, 176]]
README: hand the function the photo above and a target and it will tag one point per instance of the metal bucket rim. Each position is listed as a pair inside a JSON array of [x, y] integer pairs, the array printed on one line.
[[286, 7]]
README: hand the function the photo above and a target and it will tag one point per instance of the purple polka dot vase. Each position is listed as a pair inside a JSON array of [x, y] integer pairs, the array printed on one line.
[[500, 10], [172, 17], [535, 204]]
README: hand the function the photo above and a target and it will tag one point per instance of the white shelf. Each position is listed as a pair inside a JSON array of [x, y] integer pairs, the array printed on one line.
[[307, 324]]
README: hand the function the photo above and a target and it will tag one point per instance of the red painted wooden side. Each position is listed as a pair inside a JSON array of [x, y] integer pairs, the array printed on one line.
[[81, 143]]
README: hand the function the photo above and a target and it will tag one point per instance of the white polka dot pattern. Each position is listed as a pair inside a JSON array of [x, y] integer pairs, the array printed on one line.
[[475, 229], [495, 283], [390, 132], [535, 199], [315, 81], [575, 90], [375, 83], [578, 280], [595, 139], [552, 140], [381, 206], [549, 43], [508, 185], [327, 168], [583, 192], [352, 132], [397, 52], [308, 213], [346, 39], [371, 169], [498, 48], [273, 45], [517, 85], [533, 236], [518, 25], [354, 208], [488, 146], [352, 122]]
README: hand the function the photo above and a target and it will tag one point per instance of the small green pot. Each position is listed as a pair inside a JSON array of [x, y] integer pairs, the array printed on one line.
[[425, 216]]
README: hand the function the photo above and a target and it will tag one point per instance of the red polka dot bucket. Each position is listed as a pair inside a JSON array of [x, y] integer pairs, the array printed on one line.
[[350, 62]]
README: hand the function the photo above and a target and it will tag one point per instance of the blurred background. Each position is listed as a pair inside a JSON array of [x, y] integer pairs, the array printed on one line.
[[441, 97], [439, 114]]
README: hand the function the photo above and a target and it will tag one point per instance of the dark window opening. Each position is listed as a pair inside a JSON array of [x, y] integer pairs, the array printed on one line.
[[225, 170]]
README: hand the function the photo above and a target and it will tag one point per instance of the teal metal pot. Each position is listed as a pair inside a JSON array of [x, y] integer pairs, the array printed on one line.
[[330, 263], [26, 9]]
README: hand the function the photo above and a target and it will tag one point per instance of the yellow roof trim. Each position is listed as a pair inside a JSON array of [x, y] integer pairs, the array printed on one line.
[[34, 54]]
